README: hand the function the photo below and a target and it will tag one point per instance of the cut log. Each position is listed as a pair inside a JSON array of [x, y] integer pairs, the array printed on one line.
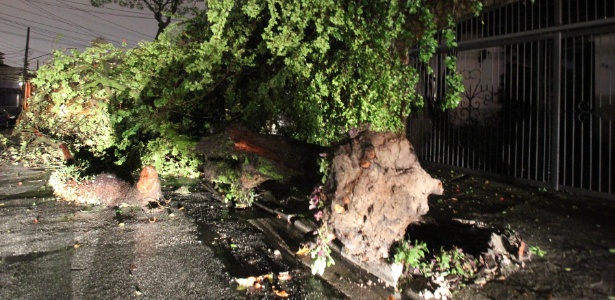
[[110, 190]]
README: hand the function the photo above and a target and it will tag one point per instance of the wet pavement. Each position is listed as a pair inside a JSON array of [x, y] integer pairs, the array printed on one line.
[[194, 248], [55, 250]]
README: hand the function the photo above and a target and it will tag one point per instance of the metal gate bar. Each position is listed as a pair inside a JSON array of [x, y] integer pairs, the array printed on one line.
[[539, 104]]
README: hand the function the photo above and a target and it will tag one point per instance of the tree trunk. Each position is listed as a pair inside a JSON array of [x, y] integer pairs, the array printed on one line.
[[376, 186], [267, 156]]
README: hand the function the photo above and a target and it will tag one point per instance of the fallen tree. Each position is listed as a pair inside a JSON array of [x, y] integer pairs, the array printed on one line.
[[376, 186], [238, 160]]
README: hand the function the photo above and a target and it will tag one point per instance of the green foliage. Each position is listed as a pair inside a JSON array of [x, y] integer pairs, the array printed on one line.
[[172, 156], [321, 252], [313, 69], [265, 168], [227, 180], [453, 261], [103, 101], [324, 164], [318, 68], [68, 100], [67, 174], [4, 143], [235, 176], [411, 256], [537, 251], [30, 150]]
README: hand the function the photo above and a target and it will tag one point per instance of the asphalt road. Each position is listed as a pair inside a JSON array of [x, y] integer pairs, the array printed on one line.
[[55, 250], [194, 249]]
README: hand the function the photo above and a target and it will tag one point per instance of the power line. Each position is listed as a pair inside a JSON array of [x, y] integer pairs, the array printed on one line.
[[36, 50], [54, 17], [7, 46], [132, 35], [146, 15], [78, 26], [39, 23], [96, 14], [66, 23]]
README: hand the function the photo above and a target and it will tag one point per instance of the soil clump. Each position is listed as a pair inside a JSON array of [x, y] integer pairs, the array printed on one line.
[[377, 188]]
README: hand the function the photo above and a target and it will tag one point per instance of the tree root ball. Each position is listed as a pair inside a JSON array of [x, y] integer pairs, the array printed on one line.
[[377, 188]]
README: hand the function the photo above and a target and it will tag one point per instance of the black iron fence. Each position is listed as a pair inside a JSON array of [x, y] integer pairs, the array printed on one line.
[[539, 104]]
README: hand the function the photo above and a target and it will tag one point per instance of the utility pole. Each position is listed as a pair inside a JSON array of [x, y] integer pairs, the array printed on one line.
[[25, 66]]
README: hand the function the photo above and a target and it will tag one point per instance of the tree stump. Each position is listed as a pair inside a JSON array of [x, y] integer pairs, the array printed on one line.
[[377, 188]]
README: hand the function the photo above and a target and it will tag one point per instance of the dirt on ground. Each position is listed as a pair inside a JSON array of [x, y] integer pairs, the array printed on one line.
[[572, 237]]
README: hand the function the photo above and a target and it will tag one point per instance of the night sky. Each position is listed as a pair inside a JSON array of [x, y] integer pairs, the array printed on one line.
[[65, 24]]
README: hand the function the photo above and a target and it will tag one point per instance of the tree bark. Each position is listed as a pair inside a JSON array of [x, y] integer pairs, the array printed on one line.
[[375, 189], [295, 161]]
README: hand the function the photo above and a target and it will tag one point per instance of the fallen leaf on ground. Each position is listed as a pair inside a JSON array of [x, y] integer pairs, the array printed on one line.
[[280, 293], [253, 281], [284, 276], [303, 251], [247, 282]]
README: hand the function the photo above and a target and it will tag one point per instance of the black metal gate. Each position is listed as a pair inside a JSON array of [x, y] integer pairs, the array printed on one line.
[[539, 105]]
